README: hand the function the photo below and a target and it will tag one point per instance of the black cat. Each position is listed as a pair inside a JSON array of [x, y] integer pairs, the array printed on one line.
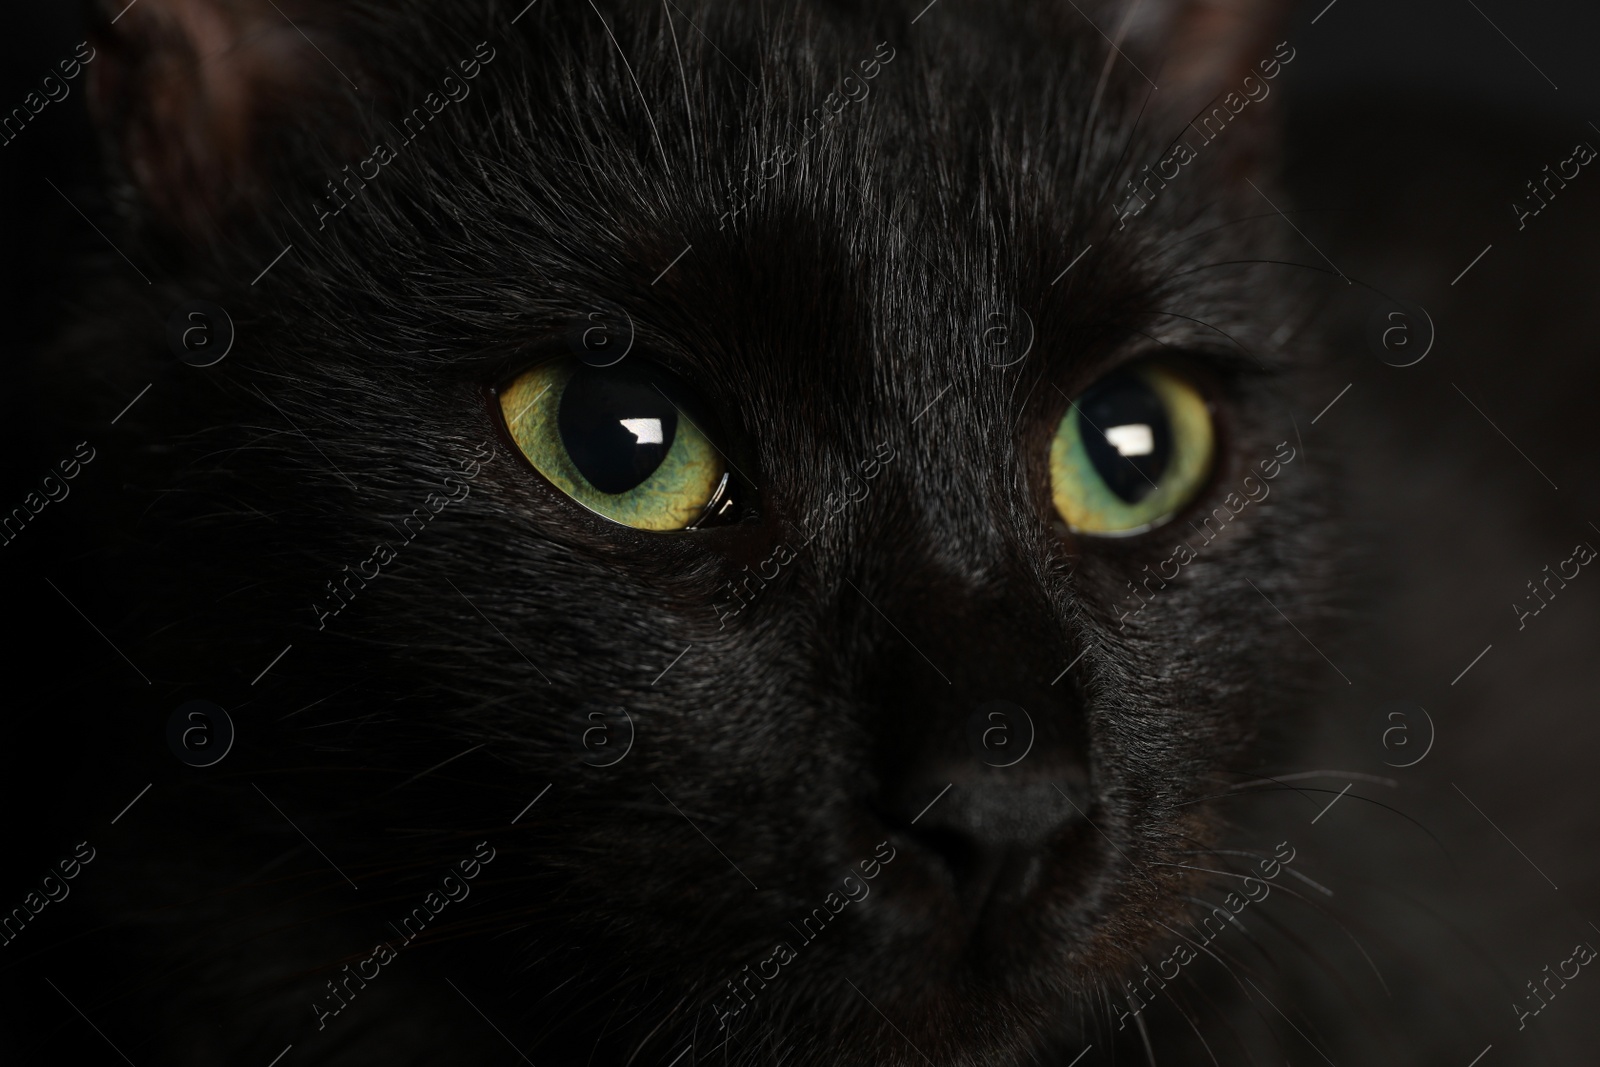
[[698, 533]]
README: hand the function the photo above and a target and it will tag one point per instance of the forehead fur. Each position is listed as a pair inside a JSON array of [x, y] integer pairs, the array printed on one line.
[[775, 222]]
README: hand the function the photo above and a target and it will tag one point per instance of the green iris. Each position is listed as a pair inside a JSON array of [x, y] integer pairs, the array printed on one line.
[[613, 440], [1131, 452]]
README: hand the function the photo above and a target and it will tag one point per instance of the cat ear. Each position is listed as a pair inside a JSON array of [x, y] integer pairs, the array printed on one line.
[[1198, 50], [200, 100]]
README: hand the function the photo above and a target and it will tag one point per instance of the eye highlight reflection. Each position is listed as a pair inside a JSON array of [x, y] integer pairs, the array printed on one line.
[[1131, 452], [612, 439]]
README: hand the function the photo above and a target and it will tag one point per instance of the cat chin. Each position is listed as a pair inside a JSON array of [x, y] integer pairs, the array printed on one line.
[[1079, 934], [950, 1020]]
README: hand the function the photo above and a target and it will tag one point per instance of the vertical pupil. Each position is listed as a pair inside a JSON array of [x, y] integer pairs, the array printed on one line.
[[616, 426], [1125, 430]]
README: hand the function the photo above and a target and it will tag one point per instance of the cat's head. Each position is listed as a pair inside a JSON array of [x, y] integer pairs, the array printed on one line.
[[842, 449]]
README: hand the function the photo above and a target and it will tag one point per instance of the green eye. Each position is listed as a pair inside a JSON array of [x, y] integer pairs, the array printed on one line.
[[1131, 452], [611, 439]]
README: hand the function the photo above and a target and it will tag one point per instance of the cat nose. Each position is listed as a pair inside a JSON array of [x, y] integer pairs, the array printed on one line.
[[988, 831], [980, 741]]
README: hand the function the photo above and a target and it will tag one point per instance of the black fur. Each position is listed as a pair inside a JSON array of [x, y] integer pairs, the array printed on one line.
[[843, 309]]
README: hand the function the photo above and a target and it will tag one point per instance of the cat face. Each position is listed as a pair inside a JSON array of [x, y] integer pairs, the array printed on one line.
[[911, 688]]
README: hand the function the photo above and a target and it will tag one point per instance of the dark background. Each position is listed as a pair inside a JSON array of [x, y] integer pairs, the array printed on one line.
[[1447, 48]]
